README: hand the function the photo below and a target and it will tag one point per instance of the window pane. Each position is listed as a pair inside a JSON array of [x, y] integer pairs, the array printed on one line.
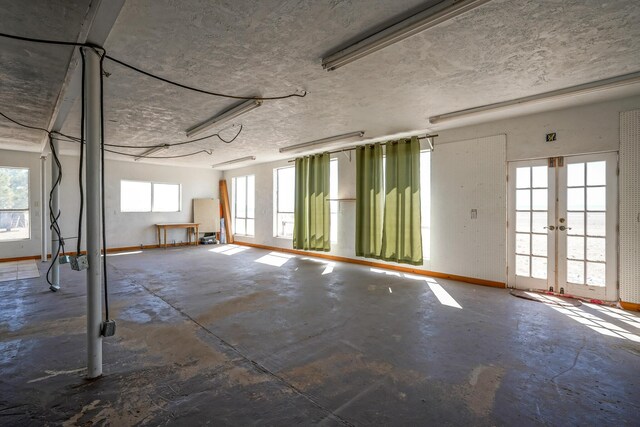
[[522, 244], [14, 225], [539, 267], [575, 220], [575, 199], [523, 177], [596, 248], [596, 273], [575, 272], [596, 199], [596, 224], [425, 202], [241, 197], [539, 222], [539, 244], [333, 179], [251, 196], [285, 225], [166, 197], [575, 174], [522, 265], [523, 200], [575, 247], [539, 200], [523, 221], [135, 196], [240, 226], [251, 229], [540, 176], [596, 173], [14, 188], [286, 189]]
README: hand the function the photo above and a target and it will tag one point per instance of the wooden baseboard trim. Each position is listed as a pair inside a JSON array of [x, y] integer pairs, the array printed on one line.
[[630, 306], [368, 263], [109, 251]]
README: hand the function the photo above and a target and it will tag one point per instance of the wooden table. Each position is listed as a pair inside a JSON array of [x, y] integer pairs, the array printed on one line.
[[188, 225]]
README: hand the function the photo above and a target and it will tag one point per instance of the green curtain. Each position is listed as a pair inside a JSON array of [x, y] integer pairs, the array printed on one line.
[[401, 232], [312, 219], [369, 200]]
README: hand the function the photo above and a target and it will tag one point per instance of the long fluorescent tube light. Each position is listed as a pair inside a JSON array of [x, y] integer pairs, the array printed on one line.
[[151, 151], [428, 18], [230, 162], [230, 114], [323, 141], [582, 89]]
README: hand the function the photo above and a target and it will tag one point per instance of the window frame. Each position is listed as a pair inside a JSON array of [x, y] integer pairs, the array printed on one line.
[[27, 209], [234, 203], [151, 205]]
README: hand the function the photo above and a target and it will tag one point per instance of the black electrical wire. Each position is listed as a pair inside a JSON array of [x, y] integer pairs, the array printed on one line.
[[173, 144], [148, 74], [102, 192], [83, 138], [53, 216]]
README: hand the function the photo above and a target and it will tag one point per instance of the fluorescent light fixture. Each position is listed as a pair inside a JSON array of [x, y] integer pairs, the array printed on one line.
[[323, 141], [151, 151], [583, 89], [230, 114], [230, 162], [411, 26]]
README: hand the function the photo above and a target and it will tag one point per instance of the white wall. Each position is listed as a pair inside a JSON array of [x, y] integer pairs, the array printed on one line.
[[585, 129], [123, 228]]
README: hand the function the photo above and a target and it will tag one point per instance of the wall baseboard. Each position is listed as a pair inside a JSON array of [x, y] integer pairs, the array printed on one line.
[[411, 270], [109, 251], [630, 306]]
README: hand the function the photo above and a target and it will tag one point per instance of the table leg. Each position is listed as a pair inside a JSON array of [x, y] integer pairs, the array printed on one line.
[[158, 233]]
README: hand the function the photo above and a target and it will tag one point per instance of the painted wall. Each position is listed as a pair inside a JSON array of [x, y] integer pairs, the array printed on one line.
[[123, 228], [584, 129]]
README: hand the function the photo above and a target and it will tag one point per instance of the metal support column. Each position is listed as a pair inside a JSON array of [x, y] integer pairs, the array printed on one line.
[[92, 176], [55, 209], [44, 209]]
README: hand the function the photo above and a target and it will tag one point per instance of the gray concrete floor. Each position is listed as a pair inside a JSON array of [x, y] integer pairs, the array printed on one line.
[[217, 338]]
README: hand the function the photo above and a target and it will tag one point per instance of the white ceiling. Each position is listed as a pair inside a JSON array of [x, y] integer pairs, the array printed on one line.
[[502, 50]]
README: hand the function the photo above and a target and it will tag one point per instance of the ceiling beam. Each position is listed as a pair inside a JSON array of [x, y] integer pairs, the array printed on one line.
[[99, 20]]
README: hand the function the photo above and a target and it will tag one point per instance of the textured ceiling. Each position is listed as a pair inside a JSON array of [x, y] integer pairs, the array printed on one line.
[[31, 75], [502, 50]]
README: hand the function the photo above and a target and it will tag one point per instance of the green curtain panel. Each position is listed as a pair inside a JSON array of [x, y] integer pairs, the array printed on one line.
[[401, 232], [369, 200], [312, 219]]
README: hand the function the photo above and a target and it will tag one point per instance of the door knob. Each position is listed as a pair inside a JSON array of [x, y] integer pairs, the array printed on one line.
[[562, 228], [551, 227]]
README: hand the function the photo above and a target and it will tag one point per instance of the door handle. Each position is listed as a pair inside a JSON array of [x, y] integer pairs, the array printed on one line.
[[551, 227], [562, 228]]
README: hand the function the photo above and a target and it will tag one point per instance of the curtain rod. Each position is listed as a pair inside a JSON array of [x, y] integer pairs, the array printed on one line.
[[342, 150]]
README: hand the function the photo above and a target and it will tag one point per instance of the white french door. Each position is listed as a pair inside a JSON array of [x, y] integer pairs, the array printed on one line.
[[562, 225]]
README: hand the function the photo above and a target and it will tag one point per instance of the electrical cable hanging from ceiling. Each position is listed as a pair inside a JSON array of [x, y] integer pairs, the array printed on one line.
[[53, 217], [102, 193], [151, 75]]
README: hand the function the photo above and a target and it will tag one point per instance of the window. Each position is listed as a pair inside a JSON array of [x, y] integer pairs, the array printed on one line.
[[333, 195], [425, 202], [285, 186], [139, 196], [14, 204], [285, 189], [243, 205]]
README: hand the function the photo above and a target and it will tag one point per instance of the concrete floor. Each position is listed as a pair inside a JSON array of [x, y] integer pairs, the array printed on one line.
[[217, 338]]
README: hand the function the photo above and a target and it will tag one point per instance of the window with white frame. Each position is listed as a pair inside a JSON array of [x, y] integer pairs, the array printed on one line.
[[284, 197], [285, 187], [425, 202], [143, 196], [243, 205], [14, 204]]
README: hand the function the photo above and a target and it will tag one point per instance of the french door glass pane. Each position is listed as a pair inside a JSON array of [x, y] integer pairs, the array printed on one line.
[[596, 198], [539, 244], [523, 200], [522, 244], [575, 199], [540, 177], [596, 248], [596, 225], [523, 221], [522, 265], [523, 179], [596, 273], [539, 222], [596, 173], [575, 272], [575, 175], [575, 247], [575, 220], [539, 267], [539, 200]]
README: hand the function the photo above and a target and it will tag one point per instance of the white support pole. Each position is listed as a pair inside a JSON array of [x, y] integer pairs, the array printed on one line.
[[55, 209], [92, 176], [44, 209]]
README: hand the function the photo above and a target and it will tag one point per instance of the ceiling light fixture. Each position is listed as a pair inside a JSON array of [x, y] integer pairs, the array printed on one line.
[[406, 28], [151, 151], [583, 89], [230, 114], [230, 162], [323, 141]]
